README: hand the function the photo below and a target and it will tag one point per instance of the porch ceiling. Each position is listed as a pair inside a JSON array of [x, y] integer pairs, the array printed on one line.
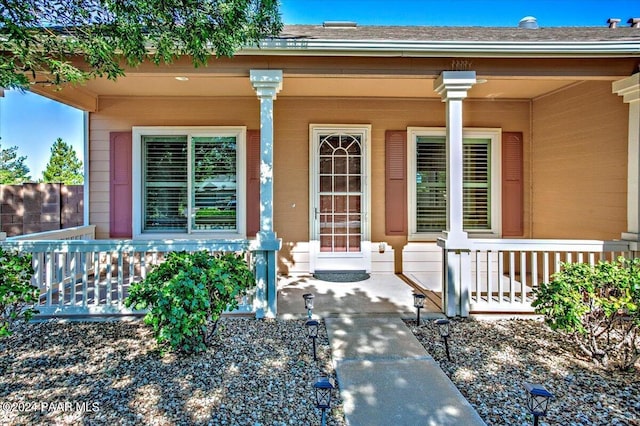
[[397, 77], [198, 85]]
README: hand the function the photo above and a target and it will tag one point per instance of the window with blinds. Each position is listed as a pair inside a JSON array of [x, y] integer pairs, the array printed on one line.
[[189, 183], [165, 183], [214, 183], [431, 184]]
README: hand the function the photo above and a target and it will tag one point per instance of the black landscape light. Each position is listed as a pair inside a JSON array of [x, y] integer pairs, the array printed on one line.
[[418, 303], [323, 387], [443, 329], [312, 332], [308, 303], [537, 400]]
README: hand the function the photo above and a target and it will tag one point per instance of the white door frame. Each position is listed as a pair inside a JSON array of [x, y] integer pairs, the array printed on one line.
[[343, 260]]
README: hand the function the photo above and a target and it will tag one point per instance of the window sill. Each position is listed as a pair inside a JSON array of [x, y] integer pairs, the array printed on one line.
[[198, 235], [433, 237]]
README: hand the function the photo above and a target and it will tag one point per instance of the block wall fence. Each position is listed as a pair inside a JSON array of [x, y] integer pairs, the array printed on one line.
[[39, 207]]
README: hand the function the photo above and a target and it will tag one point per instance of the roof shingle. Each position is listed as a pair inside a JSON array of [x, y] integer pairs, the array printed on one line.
[[461, 34]]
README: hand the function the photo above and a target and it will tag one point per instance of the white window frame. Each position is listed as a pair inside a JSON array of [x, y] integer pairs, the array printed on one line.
[[495, 135], [239, 132]]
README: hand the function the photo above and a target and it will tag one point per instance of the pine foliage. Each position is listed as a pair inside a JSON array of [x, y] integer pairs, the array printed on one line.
[[64, 165]]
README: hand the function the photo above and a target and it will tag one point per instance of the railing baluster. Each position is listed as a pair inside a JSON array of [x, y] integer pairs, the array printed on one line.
[[49, 277], [545, 267], [535, 282], [108, 260], [143, 265], [490, 256], [120, 276], [73, 273], [85, 278], [523, 277], [60, 260], [37, 281], [500, 275], [478, 286], [512, 276], [96, 278]]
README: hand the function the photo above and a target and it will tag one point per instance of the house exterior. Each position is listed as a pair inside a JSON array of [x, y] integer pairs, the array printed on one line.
[[458, 156]]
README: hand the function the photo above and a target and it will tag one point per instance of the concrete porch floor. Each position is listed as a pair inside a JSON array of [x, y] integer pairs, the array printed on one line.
[[381, 294]]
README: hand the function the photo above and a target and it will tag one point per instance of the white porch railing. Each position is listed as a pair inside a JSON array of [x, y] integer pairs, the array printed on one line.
[[76, 233], [91, 277], [498, 276]]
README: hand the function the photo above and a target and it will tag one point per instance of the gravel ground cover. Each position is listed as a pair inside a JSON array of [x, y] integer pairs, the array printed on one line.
[[261, 372], [490, 361], [257, 372]]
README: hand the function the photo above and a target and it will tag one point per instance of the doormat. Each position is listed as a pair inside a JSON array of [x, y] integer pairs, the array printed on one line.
[[341, 276]]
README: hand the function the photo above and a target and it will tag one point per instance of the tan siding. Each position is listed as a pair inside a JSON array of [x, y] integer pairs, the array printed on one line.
[[579, 163], [292, 118]]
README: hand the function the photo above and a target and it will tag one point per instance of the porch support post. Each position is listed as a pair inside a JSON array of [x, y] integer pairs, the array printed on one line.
[[267, 84], [453, 86], [629, 89]]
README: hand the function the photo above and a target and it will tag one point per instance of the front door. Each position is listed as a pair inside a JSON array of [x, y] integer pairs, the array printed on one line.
[[339, 199]]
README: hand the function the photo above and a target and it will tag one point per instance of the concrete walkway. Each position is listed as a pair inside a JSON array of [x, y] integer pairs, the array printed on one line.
[[387, 378], [385, 375]]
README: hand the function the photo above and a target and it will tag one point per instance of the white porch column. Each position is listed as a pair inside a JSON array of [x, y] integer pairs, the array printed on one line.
[[629, 89], [452, 86], [267, 84]]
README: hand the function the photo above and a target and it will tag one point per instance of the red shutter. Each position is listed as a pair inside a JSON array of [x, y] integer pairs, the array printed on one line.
[[396, 182], [253, 182], [512, 185], [120, 215]]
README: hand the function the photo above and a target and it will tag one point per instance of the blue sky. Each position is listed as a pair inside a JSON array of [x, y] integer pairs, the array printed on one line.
[[33, 123]]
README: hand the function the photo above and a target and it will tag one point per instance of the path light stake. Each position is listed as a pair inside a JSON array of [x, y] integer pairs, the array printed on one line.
[[308, 303], [418, 303], [312, 330], [443, 329], [537, 400], [323, 387]]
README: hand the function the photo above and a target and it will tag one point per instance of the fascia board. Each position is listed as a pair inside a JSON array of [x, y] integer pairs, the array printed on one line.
[[443, 48]]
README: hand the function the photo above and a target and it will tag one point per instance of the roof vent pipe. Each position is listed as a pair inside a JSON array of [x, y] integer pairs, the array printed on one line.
[[339, 24], [613, 22], [635, 22], [528, 22]]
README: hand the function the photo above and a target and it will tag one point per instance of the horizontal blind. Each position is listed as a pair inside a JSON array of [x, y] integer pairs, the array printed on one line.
[[214, 183], [476, 179], [431, 184], [165, 183]]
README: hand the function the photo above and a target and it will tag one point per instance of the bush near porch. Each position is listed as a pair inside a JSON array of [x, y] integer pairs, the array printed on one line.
[[186, 295], [17, 295], [598, 307]]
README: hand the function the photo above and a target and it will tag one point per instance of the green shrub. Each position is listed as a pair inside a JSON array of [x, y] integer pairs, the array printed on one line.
[[186, 295], [598, 306], [213, 212], [17, 295]]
